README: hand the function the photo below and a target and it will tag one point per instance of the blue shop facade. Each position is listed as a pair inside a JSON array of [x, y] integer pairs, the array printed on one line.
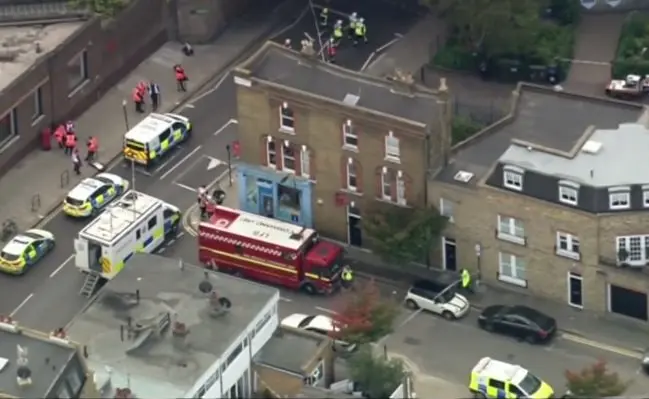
[[277, 195]]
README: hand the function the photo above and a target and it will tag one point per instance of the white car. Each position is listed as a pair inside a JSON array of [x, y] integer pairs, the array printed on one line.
[[438, 297], [323, 325], [92, 194]]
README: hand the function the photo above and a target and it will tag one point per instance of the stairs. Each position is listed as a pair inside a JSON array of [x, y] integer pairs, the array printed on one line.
[[89, 285]]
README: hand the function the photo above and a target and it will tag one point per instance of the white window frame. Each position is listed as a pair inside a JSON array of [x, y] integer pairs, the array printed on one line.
[[386, 183], [513, 178], [305, 161], [38, 103], [446, 209], [511, 229], [349, 134], [570, 242], [637, 257], [317, 375], [400, 188], [392, 151], [511, 263], [82, 58], [270, 141], [619, 200], [645, 197], [568, 193], [283, 118], [351, 172], [287, 144]]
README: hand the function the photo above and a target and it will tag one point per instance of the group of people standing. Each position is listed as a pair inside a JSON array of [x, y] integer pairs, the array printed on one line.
[[66, 138], [152, 90], [355, 30]]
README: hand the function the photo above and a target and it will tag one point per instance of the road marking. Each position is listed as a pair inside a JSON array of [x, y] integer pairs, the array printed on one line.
[[12, 314], [58, 269], [281, 298], [185, 187], [222, 128], [326, 310], [213, 89], [190, 106], [602, 346], [388, 44], [185, 158], [171, 158], [161, 250], [368, 61]]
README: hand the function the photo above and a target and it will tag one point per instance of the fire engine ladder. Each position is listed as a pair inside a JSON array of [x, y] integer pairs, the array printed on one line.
[[89, 285]]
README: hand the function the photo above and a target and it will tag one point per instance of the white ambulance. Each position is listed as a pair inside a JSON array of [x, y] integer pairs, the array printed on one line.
[[137, 222]]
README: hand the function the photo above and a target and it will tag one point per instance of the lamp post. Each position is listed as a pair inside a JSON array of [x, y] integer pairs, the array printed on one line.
[[124, 104], [478, 256], [228, 149]]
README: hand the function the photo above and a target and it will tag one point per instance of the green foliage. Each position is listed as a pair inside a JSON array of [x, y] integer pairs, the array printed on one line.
[[454, 57], [379, 377], [104, 8], [633, 48], [463, 127], [595, 381], [363, 316], [404, 235]]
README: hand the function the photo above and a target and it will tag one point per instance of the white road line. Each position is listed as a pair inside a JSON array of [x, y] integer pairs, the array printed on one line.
[[281, 298], [222, 128], [58, 269], [182, 233], [388, 44], [171, 158], [185, 187], [213, 89], [185, 158], [326, 310], [12, 314], [368, 61], [161, 250], [190, 106]]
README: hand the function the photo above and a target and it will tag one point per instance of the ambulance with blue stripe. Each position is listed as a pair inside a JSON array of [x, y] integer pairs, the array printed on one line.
[[137, 222], [154, 137], [500, 380]]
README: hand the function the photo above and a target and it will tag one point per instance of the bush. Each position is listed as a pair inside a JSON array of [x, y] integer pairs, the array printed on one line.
[[633, 48], [452, 56]]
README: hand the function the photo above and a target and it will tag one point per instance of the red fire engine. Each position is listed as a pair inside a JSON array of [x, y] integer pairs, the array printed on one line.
[[269, 250]]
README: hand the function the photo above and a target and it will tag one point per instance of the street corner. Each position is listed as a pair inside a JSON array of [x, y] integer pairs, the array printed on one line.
[[191, 220], [200, 172]]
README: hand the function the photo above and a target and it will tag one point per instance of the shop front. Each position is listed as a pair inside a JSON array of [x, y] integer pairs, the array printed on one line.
[[276, 195]]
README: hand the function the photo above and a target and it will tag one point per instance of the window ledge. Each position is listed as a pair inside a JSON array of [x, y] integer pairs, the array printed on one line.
[[38, 119], [568, 254], [77, 89], [511, 238], [513, 187], [512, 280], [392, 159], [620, 208], [352, 192], [403, 205], [287, 130], [351, 148], [8, 143]]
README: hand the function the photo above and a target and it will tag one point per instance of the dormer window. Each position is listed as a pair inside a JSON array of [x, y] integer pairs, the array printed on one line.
[[619, 198], [286, 119], [513, 178], [568, 192]]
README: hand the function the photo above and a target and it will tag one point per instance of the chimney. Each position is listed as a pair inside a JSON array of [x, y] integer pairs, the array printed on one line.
[[179, 331], [307, 48], [23, 372], [403, 82]]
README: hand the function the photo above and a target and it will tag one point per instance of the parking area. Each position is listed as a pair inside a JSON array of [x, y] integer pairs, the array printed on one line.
[[385, 22]]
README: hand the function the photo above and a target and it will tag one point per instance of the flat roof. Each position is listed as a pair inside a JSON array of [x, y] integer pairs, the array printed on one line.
[[46, 360], [161, 366], [541, 116], [18, 46], [260, 228], [289, 350], [277, 65]]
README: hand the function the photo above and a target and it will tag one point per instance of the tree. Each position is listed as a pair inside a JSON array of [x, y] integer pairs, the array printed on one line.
[[595, 381], [492, 27], [363, 316], [404, 235], [105, 8], [377, 376]]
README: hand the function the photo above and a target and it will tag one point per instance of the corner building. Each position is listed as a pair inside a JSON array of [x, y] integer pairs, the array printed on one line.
[[321, 146]]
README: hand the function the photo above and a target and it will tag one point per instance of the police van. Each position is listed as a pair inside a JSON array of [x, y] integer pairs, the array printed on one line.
[[136, 222], [154, 136]]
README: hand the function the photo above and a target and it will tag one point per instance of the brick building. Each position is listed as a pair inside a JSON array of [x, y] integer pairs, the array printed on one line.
[[553, 200], [321, 145]]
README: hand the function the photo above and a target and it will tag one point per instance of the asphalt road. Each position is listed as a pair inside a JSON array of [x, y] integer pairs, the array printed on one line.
[[385, 24], [48, 296]]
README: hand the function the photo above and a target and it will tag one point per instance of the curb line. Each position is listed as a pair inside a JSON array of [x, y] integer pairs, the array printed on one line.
[[186, 222]]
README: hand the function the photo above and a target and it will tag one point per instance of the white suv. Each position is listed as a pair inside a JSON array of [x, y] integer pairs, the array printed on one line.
[[437, 297]]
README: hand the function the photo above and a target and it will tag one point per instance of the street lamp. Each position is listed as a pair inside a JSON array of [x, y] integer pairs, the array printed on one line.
[[478, 256], [124, 104], [229, 151]]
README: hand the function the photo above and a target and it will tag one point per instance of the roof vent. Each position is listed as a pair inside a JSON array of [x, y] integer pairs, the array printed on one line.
[[463, 176], [591, 147], [351, 99]]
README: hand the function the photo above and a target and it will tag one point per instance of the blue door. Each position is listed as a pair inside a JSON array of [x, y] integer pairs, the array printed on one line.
[[266, 205]]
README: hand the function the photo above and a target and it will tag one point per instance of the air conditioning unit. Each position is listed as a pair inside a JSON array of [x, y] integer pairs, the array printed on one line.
[[463, 176]]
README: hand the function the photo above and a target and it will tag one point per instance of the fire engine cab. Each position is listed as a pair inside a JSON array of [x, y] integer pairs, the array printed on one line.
[[268, 250]]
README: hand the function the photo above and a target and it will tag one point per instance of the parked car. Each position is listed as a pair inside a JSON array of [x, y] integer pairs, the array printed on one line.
[[438, 296], [319, 324], [518, 321]]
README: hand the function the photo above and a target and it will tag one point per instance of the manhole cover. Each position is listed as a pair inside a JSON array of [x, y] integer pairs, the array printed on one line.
[[411, 341]]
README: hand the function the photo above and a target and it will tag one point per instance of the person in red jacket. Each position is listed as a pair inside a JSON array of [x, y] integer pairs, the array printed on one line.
[[181, 77], [138, 100], [70, 143], [93, 147], [59, 135]]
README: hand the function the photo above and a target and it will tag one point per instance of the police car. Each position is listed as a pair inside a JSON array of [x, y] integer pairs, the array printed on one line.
[[25, 250], [93, 193], [495, 379], [154, 137]]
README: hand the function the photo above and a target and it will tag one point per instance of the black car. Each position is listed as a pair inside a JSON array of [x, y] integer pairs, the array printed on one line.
[[518, 321]]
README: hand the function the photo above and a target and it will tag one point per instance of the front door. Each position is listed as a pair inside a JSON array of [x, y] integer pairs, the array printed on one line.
[[575, 290], [450, 261], [354, 233]]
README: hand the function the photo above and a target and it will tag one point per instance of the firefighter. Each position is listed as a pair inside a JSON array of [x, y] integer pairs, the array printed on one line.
[[138, 100], [59, 136], [360, 32], [70, 142], [181, 77], [338, 32], [351, 28], [347, 276], [331, 51], [93, 147], [324, 17], [142, 87]]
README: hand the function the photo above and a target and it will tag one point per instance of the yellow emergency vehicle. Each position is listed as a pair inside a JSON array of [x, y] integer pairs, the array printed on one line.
[[499, 380], [154, 136]]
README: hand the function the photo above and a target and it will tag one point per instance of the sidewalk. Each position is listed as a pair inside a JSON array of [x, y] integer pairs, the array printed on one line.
[[36, 186], [427, 386]]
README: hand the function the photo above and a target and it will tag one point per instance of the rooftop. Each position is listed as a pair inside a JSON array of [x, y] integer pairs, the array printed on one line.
[[21, 46], [46, 358], [555, 121], [290, 350], [151, 294], [274, 64], [318, 393]]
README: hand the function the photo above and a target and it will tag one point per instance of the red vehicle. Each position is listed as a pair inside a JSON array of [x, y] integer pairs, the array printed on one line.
[[269, 250]]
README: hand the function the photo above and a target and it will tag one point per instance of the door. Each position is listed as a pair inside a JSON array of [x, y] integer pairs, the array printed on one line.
[[354, 233], [575, 290], [450, 260], [627, 302]]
